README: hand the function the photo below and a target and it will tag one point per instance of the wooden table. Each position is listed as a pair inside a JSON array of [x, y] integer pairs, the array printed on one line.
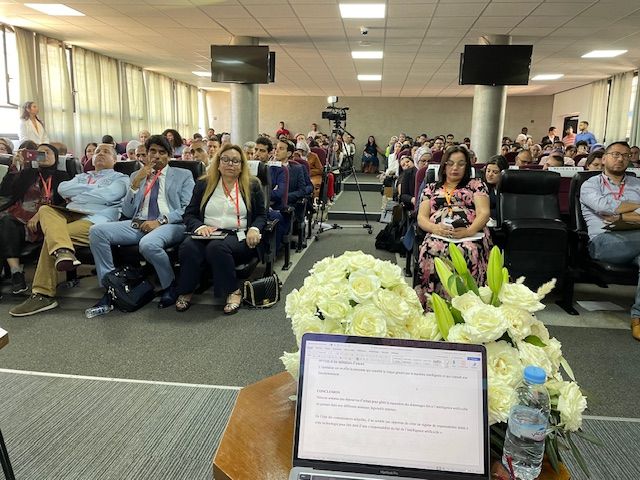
[[4, 337], [258, 441]]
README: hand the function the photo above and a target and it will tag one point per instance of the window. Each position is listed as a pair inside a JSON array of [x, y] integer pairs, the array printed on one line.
[[9, 83], [634, 89]]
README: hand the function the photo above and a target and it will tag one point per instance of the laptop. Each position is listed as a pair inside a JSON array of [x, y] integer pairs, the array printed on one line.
[[383, 408]]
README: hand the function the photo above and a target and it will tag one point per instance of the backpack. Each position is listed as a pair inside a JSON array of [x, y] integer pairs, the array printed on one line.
[[390, 238], [128, 288]]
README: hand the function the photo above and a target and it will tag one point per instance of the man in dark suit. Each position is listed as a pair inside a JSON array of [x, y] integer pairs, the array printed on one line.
[[551, 137], [279, 187], [155, 202]]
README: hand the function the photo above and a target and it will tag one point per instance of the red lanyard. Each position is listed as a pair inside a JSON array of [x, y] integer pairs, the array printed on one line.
[[150, 185], [228, 193], [46, 186], [618, 195]]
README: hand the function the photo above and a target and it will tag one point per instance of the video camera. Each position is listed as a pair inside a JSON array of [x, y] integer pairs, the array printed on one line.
[[334, 114]]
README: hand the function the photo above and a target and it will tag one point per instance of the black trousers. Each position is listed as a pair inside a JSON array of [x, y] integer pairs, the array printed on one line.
[[12, 235], [220, 256]]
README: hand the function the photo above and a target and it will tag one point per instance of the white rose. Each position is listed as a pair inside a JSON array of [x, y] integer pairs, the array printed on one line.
[[503, 363], [520, 296], [486, 323], [533, 355], [363, 286], [330, 276], [291, 362], [539, 330], [389, 274], [519, 321], [355, 261], [367, 321], [466, 302], [501, 399], [334, 307], [424, 327], [553, 349], [485, 294], [459, 333], [323, 265], [408, 294], [393, 306], [571, 404], [333, 325], [302, 324], [299, 303]]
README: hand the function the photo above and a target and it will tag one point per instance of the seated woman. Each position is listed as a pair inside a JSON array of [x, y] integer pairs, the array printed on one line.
[[492, 176], [230, 200], [87, 158], [175, 140], [407, 182], [25, 190], [456, 207]]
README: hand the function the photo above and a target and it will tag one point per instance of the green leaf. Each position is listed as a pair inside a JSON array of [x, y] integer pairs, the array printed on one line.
[[589, 438], [457, 316], [457, 258], [535, 340], [461, 287], [444, 319], [552, 454], [578, 456], [471, 283], [567, 368]]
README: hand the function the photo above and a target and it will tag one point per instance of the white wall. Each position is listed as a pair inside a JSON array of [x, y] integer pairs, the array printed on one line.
[[571, 103], [386, 116]]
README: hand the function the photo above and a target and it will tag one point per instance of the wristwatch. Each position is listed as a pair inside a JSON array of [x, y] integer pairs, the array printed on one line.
[[163, 220]]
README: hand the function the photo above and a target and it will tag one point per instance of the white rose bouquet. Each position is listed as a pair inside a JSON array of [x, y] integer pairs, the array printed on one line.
[[501, 316]]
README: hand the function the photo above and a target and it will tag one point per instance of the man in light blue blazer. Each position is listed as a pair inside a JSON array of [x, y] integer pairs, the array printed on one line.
[[155, 203]]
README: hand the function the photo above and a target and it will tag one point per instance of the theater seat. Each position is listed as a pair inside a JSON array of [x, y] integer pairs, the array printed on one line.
[[196, 168], [127, 167]]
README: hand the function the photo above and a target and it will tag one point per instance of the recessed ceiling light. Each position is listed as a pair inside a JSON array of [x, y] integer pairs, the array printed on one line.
[[548, 76], [369, 78], [362, 10], [202, 74], [603, 53], [56, 9], [366, 54]]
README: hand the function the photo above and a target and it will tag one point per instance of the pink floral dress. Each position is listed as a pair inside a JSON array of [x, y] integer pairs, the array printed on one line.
[[459, 210]]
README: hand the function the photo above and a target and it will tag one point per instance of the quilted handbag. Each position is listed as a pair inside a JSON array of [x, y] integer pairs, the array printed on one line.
[[262, 293]]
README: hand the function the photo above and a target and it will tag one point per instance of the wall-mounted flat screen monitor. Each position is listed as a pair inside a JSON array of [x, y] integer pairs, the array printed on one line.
[[240, 63], [495, 65]]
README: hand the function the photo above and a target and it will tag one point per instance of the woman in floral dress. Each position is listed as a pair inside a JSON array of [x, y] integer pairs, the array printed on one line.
[[455, 207]]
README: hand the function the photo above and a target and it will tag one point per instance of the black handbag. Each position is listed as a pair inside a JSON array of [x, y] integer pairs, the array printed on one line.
[[128, 288], [262, 293]]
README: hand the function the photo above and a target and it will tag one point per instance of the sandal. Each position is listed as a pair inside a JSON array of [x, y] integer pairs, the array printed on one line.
[[233, 303], [183, 303]]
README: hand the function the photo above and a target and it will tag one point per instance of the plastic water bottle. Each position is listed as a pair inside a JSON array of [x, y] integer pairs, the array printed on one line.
[[97, 311], [527, 427]]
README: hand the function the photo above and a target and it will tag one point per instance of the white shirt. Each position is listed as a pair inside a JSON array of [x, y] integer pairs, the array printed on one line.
[[312, 134], [392, 165], [162, 202], [28, 131], [220, 211]]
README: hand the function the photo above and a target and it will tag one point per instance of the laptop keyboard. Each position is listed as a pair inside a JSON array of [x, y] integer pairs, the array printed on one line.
[[316, 476]]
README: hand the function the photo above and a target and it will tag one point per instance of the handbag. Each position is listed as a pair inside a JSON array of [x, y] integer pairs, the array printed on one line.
[[262, 293], [128, 288]]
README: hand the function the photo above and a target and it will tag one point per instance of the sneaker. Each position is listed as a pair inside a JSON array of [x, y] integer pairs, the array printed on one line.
[[66, 260], [36, 303], [18, 283]]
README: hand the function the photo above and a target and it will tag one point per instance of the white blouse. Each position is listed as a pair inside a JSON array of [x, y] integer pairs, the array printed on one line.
[[220, 211], [29, 132]]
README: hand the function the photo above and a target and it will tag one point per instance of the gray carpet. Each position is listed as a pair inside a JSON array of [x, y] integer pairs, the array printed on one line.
[[70, 429]]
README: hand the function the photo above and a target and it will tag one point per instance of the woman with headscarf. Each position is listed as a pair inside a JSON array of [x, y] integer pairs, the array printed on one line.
[[26, 190]]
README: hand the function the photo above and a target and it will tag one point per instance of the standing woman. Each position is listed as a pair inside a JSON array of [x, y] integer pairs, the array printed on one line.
[[230, 200], [455, 207], [25, 191], [31, 127]]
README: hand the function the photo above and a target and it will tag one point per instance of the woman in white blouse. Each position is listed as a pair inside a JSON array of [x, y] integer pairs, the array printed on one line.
[[31, 127]]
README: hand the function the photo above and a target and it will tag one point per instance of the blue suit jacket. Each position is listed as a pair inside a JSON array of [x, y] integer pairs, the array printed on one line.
[[178, 188], [297, 183], [278, 185]]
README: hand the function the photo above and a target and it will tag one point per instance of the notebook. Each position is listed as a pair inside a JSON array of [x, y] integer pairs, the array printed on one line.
[[381, 408]]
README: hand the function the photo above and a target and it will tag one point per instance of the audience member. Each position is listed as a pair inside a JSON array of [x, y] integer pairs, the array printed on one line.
[[154, 205], [213, 145], [635, 156], [227, 200], [607, 198], [282, 131], [555, 159], [31, 126], [407, 182], [570, 137], [585, 135], [143, 136], [6, 146], [175, 140], [552, 136], [25, 190], [314, 131], [249, 149], [492, 177], [131, 149], [524, 158], [370, 162], [594, 161], [94, 198], [456, 206]]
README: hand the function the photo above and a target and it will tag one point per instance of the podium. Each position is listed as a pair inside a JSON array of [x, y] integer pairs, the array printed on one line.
[[258, 440]]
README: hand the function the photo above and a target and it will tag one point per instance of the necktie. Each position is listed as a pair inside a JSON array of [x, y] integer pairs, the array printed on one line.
[[153, 211]]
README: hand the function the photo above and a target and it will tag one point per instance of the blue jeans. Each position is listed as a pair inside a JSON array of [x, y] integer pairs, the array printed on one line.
[[622, 248], [151, 245]]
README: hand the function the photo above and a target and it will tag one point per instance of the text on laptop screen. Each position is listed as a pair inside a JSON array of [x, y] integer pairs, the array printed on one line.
[[403, 407]]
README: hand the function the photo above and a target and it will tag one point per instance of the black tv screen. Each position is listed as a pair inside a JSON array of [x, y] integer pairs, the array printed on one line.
[[495, 65], [239, 64]]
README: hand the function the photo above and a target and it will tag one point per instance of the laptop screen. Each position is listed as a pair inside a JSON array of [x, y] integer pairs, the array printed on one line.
[[391, 406]]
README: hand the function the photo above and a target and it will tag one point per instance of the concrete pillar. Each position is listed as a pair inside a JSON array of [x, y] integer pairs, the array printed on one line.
[[489, 104], [244, 104]]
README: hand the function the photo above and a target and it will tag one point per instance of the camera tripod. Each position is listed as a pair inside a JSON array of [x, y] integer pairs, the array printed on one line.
[[323, 197]]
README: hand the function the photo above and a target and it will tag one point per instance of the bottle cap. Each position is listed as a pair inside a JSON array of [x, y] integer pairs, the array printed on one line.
[[535, 375]]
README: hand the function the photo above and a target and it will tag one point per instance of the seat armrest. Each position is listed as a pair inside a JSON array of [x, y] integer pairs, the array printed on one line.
[[509, 226]]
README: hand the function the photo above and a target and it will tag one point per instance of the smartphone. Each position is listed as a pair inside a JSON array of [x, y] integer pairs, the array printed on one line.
[[33, 156]]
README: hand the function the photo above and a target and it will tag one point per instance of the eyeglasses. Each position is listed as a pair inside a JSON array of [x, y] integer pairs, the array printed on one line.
[[456, 164], [618, 155], [230, 161]]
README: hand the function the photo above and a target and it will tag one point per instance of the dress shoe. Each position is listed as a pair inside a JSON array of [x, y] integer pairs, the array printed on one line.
[[635, 328], [168, 297]]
